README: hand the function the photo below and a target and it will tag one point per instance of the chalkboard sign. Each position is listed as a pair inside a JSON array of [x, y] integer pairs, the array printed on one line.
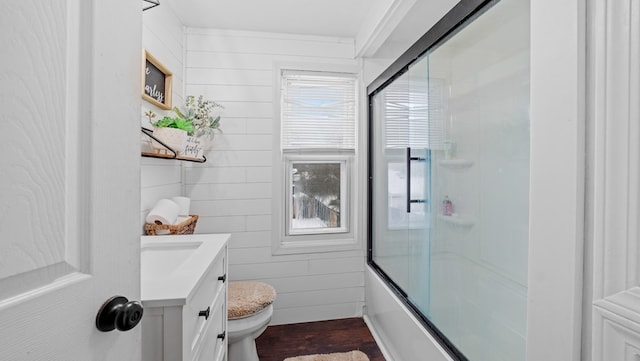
[[156, 82]]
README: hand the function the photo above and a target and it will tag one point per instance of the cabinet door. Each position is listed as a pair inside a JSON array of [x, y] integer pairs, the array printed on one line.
[[213, 342], [618, 342], [208, 345]]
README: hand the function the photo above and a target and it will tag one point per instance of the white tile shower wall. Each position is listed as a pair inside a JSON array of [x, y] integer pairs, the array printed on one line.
[[163, 37], [232, 191]]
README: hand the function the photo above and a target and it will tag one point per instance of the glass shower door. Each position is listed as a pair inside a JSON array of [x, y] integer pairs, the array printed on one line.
[[479, 241], [402, 168], [389, 208], [450, 184]]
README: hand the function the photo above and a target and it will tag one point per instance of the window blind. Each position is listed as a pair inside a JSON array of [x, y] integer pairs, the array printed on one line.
[[318, 110], [414, 114], [396, 114]]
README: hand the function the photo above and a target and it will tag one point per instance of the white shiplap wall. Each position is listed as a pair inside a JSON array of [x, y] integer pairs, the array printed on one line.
[[163, 37], [232, 191]]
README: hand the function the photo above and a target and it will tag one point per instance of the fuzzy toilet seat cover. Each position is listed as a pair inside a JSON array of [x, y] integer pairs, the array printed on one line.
[[248, 297]]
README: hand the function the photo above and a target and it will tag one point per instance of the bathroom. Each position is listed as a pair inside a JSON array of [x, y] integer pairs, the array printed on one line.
[[582, 251]]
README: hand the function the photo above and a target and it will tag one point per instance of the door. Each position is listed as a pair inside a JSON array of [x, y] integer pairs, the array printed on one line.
[[480, 184], [401, 153], [391, 165], [468, 140], [69, 190]]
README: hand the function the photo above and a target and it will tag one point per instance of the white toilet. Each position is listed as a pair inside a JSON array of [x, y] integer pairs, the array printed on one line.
[[249, 310]]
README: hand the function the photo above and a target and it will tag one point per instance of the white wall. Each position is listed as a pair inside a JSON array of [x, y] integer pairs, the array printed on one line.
[[557, 179], [232, 191], [163, 37]]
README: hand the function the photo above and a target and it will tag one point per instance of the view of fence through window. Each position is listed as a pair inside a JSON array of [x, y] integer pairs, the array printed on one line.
[[316, 195]]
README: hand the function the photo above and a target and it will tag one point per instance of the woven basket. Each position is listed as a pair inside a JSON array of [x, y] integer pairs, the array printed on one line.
[[185, 227]]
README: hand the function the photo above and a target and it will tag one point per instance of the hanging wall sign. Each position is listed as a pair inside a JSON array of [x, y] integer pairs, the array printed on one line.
[[194, 148], [156, 82]]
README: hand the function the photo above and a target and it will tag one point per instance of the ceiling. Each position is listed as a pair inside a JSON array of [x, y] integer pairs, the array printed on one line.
[[339, 18]]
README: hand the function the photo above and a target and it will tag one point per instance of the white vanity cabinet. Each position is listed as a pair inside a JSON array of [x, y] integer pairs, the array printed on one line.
[[184, 293]]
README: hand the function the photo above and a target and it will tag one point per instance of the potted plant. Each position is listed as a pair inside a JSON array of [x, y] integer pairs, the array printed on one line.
[[183, 132], [170, 131], [201, 114]]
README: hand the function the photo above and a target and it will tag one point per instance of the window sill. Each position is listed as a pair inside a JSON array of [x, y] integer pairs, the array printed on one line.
[[307, 246]]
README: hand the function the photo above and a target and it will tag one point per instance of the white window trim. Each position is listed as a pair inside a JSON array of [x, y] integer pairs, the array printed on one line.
[[281, 244]]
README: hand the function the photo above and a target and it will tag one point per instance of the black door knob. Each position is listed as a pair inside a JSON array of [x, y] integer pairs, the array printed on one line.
[[119, 313]]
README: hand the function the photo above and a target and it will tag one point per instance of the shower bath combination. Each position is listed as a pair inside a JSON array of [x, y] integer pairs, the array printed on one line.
[[449, 184]]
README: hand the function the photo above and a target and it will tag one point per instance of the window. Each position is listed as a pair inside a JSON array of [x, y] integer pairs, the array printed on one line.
[[318, 122], [317, 188]]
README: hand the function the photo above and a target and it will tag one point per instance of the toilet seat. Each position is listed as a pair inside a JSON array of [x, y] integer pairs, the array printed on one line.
[[248, 297]]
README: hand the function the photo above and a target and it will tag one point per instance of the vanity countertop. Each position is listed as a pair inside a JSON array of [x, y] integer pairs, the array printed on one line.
[[172, 267]]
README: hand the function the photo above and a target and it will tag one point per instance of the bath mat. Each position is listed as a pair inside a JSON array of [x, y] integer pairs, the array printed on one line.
[[340, 356]]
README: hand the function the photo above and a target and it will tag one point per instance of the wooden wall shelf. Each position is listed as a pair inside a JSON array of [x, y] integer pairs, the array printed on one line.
[[170, 153]]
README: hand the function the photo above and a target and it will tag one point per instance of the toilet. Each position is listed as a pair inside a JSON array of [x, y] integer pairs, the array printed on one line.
[[249, 310]]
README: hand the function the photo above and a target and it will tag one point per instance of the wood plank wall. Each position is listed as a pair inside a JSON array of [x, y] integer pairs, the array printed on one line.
[[232, 192], [163, 37]]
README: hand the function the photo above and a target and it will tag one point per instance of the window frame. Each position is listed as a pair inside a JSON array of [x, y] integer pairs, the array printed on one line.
[[328, 241], [345, 186]]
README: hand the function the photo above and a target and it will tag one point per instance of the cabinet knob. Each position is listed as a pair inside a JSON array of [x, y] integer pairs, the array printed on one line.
[[205, 313], [222, 335], [119, 313], [223, 278]]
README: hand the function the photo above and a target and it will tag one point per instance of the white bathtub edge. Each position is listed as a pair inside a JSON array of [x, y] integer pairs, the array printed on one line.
[[404, 337]]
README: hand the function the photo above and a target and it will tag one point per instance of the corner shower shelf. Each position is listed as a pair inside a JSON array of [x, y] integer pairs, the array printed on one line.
[[457, 220], [456, 163]]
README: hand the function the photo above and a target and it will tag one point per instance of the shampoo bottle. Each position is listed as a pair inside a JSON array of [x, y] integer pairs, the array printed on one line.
[[447, 206]]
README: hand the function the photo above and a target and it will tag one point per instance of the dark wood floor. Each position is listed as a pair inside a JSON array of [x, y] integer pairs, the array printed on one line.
[[282, 341]]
